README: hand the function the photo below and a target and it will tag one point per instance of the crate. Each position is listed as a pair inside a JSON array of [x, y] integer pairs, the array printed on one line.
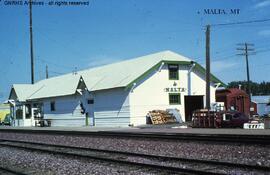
[[206, 119]]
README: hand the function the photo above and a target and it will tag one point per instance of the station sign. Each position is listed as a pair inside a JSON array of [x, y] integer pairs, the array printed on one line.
[[175, 89]]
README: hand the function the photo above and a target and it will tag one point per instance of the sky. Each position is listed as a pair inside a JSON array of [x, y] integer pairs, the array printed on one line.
[[69, 37]]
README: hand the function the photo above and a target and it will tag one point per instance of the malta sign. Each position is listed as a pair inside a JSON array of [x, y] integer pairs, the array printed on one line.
[[175, 89]]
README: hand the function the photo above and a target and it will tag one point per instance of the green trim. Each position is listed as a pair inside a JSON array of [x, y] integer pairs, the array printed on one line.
[[177, 75], [143, 75], [177, 78], [179, 98], [197, 67], [177, 62]]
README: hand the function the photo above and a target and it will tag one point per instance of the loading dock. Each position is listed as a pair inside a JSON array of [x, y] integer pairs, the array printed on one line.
[[192, 102]]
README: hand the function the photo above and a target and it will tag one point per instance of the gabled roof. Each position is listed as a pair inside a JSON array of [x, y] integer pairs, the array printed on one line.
[[121, 74], [56, 86], [52, 87], [22, 91]]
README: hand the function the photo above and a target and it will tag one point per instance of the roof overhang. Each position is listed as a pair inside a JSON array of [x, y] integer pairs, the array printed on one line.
[[11, 102], [196, 66]]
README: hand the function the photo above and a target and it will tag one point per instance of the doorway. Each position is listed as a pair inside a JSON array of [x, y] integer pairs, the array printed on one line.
[[192, 102]]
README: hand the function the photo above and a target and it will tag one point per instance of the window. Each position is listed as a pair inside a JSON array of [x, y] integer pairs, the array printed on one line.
[[90, 101], [227, 117], [19, 112], [175, 99], [52, 106], [173, 72]]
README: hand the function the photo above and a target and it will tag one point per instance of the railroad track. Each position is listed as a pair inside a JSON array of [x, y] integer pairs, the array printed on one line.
[[228, 138], [9, 171], [162, 163]]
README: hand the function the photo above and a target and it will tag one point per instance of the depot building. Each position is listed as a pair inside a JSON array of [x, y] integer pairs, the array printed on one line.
[[118, 94]]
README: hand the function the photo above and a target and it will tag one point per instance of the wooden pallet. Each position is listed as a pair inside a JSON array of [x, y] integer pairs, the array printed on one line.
[[161, 117]]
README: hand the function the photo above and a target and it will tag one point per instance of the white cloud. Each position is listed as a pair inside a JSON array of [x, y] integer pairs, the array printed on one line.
[[220, 66], [264, 33], [262, 4]]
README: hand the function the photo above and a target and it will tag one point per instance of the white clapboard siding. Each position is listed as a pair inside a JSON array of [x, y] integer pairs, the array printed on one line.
[[149, 93], [112, 118], [112, 108], [68, 122], [67, 111]]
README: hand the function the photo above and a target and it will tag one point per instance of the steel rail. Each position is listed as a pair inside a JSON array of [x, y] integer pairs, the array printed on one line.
[[8, 170], [112, 160], [157, 157], [145, 155], [230, 138]]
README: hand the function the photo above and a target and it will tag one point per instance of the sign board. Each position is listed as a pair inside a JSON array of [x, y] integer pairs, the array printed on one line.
[[175, 89]]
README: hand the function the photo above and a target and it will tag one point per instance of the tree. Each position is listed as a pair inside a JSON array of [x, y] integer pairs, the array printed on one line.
[[262, 88]]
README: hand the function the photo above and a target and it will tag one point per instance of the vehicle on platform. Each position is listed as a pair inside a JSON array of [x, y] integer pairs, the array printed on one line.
[[233, 119], [203, 118]]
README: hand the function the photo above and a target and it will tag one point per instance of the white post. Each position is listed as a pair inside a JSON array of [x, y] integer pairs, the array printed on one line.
[[160, 67], [14, 115], [189, 78], [23, 115], [32, 114], [24, 112], [12, 111]]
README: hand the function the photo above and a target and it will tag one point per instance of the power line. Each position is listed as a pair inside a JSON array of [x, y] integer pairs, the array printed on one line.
[[217, 58], [219, 54], [224, 57], [57, 65], [241, 22], [260, 65], [262, 51], [58, 73], [238, 68]]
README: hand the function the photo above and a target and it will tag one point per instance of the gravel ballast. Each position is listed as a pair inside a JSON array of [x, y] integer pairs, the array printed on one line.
[[36, 163], [236, 152]]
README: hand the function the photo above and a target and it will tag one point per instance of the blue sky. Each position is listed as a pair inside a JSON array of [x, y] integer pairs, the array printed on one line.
[[107, 31]]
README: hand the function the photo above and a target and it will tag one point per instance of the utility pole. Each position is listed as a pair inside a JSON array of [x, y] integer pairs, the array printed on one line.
[[47, 72], [31, 43], [207, 72], [75, 71], [246, 54]]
